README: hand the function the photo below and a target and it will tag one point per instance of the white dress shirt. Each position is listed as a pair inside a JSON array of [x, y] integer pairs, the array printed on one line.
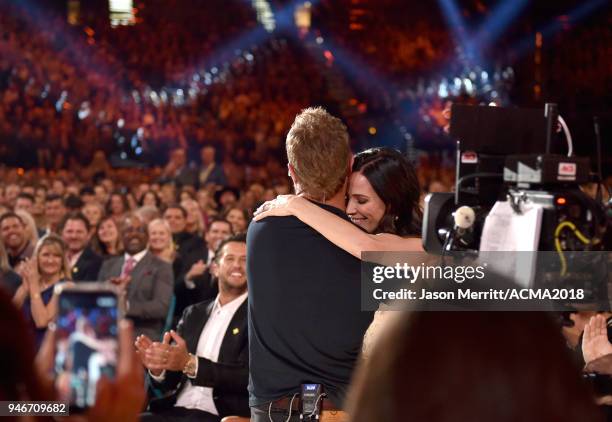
[[74, 258], [211, 256], [209, 345], [136, 257]]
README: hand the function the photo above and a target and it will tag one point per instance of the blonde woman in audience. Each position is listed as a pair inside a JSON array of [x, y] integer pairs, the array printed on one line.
[[195, 220], [47, 267], [31, 229], [160, 240]]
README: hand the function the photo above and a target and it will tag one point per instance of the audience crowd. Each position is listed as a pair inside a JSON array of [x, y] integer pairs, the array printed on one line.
[[211, 126], [68, 93]]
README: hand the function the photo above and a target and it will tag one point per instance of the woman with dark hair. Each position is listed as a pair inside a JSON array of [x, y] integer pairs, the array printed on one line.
[[238, 218], [117, 206], [383, 199], [468, 366], [106, 240], [150, 199]]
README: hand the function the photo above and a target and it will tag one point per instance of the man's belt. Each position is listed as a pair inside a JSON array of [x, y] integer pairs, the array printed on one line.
[[286, 401], [329, 414]]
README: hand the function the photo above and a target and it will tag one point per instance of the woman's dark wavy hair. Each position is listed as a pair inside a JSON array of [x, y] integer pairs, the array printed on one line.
[[155, 196], [525, 371], [394, 180]]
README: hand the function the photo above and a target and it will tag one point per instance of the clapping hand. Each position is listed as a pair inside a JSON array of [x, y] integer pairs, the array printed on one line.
[[30, 276], [196, 270], [595, 343], [142, 343], [164, 356], [121, 282]]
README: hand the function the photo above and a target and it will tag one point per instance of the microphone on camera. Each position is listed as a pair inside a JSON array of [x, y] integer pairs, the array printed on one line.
[[458, 238], [464, 221]]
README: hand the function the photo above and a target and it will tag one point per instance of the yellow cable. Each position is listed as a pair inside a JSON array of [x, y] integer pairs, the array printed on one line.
[[561, 256], [579, 235]]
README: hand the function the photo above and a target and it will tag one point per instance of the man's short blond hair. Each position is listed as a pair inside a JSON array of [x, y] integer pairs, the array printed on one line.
[[318, 150]]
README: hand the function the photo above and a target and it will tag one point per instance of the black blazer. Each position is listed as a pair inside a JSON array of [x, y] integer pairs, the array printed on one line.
[[191, 248], [87, 266], [228, 377], [205, 289]]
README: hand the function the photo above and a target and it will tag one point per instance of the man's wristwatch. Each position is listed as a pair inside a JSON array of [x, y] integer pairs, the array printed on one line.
[[190, 368]]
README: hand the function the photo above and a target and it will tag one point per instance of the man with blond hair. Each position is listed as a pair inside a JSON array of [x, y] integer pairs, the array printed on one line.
[[305, 322]]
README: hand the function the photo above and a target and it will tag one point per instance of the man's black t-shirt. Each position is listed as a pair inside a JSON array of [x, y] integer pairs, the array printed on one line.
[[305, 318]]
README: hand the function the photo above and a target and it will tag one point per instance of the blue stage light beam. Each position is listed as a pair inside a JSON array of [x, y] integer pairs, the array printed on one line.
[[456, 24], [251, 38], [353, 67], [497, 22]]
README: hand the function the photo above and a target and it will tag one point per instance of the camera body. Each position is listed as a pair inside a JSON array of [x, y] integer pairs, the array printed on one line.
[[503, 155], [497, 181]]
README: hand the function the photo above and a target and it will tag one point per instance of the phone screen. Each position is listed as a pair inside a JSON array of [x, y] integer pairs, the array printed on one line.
[[87, 345]]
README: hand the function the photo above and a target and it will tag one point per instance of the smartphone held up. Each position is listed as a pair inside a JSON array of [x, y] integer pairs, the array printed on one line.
[[86, 341]]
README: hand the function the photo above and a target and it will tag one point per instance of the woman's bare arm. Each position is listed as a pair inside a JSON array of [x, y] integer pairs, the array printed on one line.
[[43, 314], [337, 230]]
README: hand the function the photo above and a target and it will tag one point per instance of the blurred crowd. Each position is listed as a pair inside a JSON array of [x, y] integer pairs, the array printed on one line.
[[70, 91], [390, 36], [208, 126], [579, 63]]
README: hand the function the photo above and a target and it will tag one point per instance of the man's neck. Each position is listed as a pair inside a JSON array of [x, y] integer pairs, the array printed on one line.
[[226, 297], [18, 251], [135, 253], [72, 254], [336, 201]]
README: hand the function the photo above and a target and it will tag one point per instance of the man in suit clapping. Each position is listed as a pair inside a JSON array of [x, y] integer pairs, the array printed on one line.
[[205, 370]]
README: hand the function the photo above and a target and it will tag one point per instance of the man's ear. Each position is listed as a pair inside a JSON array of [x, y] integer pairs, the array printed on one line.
[[351, 162], [292, 173], [214, 268]]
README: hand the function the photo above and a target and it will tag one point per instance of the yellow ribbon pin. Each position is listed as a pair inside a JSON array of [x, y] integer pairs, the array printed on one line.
[[235, 331]]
